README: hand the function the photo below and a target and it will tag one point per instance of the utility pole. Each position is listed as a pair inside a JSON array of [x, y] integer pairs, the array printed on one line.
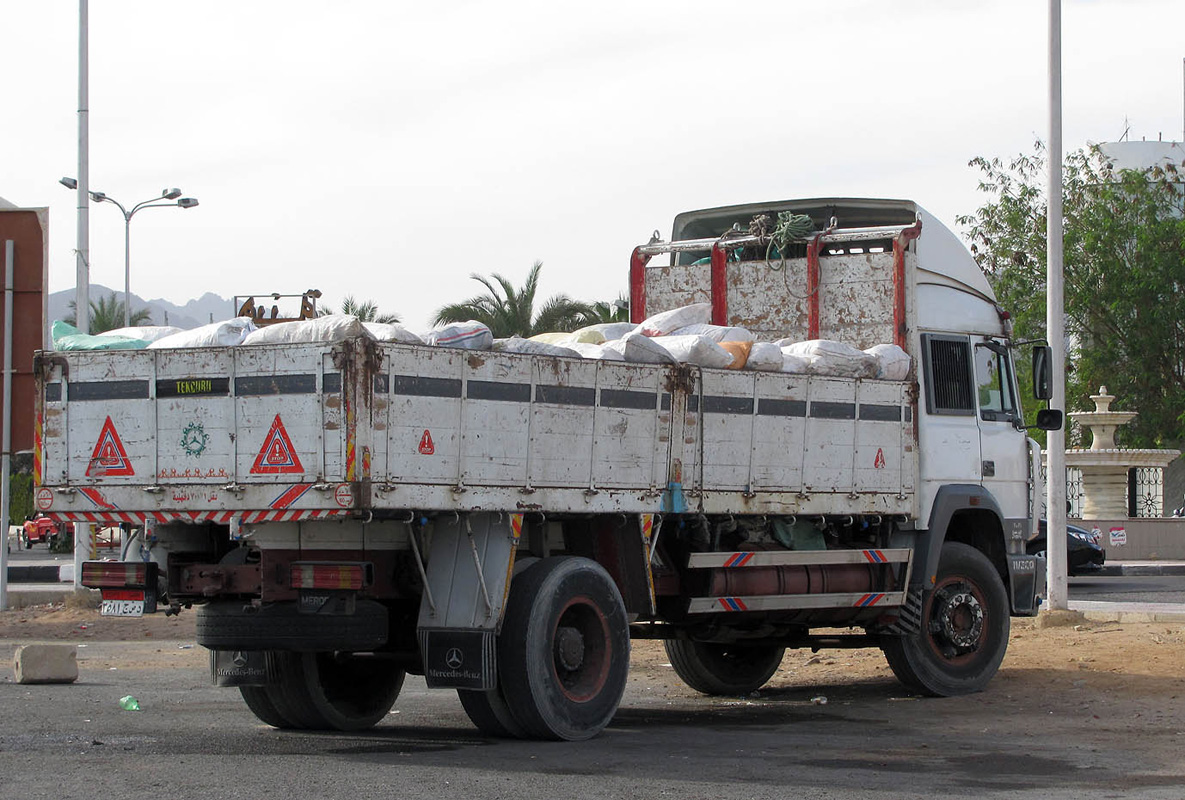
[[1055, 510]]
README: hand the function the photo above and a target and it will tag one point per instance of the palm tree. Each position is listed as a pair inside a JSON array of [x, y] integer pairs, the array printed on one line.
[[367, 311], [610, 311], [107, 314], [508, 311]]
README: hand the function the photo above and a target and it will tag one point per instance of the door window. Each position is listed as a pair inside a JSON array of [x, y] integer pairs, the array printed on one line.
[[993, 380]]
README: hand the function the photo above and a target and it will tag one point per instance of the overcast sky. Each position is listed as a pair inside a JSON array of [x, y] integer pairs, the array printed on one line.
[[389, 149]]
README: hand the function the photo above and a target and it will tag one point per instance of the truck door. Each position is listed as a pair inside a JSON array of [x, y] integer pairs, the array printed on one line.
[[1004, 449]]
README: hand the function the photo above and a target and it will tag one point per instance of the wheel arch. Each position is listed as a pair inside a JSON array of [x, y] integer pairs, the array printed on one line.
[[969, 514]]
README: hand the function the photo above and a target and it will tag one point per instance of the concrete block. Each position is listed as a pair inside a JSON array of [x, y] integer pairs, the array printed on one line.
[[45, 663]]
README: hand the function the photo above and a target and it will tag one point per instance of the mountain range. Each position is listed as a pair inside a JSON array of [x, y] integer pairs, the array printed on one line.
[[202, 311]]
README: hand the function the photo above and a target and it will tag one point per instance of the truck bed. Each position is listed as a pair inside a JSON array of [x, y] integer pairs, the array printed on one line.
[[296, 431]]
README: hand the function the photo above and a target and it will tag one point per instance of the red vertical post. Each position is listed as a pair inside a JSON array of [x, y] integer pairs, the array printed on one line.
[[900, 244], [812, 287], [719, 286], [638, 263]]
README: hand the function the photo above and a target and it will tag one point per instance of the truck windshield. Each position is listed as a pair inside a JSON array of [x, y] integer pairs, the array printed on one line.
[[994, 383]]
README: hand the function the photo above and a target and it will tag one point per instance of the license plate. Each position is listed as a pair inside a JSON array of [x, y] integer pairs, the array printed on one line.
[[122, 603]]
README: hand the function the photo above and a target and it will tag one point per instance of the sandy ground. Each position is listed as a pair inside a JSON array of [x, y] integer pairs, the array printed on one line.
[[1123, 661]]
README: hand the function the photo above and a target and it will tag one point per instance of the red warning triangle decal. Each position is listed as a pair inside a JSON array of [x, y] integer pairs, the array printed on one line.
[[277, 456], [426, 446], [109, 457]]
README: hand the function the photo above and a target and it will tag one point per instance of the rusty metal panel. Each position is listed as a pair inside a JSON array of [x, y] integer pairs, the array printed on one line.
[[627, 451], [562, 412], [880, 437], [195, 416], [726, 406], [829, 444], [424, 415], [779, 430], [495, 418]]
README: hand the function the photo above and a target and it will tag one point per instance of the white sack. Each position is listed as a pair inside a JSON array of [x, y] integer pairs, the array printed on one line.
[[147, 333], [892, 363], [670, 321], [595, 351], [601, 332], [552, 337], [391, 332], [833, 358], [765, 356], [698, 350], [471, 335], [794, 365], [532, 347], [217, 334], [717, 333], [330, 328], [640, 349]]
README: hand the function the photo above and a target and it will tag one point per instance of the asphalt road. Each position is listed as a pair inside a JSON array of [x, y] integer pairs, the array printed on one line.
[[1129, 589], [870, 740]]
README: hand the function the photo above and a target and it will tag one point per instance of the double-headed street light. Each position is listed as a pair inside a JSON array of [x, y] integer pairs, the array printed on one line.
[[164, 201]]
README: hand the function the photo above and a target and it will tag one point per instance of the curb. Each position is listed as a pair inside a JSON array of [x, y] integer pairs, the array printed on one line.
[[1133, 570], [46, 573]]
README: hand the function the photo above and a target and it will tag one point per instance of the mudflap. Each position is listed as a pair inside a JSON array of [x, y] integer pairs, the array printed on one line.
[[242, 667], [1027, 582], [468, 577], [461, 659]]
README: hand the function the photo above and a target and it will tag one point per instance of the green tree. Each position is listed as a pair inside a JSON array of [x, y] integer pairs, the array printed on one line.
[[367, 311], [610, 310], [510, 311], [107, 314], [1124, 245]]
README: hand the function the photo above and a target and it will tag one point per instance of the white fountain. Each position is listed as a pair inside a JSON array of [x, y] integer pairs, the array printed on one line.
[[1105, 466]]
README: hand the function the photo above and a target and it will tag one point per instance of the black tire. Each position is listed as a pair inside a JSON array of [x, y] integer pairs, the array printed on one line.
[[491, 714], [563, 654], [965, 627], [279, 626], [727, 669], [334, 691], [261, 705]]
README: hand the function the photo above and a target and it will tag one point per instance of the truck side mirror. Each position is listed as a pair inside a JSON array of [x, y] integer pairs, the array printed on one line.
[[1043, 375], [1049, 419]]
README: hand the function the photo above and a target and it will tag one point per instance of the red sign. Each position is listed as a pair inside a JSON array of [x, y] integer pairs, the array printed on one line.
[[426, 446], [879, 463], [109, 457], [277, 456]]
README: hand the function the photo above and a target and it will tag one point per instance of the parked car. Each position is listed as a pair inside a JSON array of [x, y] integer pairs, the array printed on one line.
[[40, 530], [1083, 552]]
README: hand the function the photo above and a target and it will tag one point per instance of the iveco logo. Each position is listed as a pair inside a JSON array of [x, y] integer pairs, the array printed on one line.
[[454, 658]]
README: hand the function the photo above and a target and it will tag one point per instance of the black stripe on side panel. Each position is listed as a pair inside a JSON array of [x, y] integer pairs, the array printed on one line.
[[331, 382], [109, 390], [566, 395], [880, 413], [622, 398], [493, 390], [716, 404], [53, 392], [693, 404], [192, 387], [246, 385], [824, 410], [665, 403], [768, 407], [382, 384], [427, 387], [908, 414]]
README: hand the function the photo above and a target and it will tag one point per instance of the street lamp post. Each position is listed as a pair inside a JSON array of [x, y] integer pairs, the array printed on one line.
[[167, 196]]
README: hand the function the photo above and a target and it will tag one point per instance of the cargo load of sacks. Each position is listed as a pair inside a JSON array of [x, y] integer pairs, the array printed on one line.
[[682, 335]]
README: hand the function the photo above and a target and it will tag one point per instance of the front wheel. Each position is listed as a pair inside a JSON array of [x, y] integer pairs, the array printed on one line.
[[727, 669], [964, 629], [563, 655]]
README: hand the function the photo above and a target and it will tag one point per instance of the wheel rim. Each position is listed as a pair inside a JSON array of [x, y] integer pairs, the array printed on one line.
[[581, 650], [957, 620]]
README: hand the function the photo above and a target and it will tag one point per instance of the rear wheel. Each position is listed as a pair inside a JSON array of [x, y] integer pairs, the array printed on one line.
[[334, 691], [490, 713], [728, 669], [964, 631], [563, 654], [261, 705]]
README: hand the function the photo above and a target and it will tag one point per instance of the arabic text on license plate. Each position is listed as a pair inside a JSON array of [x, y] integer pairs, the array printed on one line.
[[122, 608]]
